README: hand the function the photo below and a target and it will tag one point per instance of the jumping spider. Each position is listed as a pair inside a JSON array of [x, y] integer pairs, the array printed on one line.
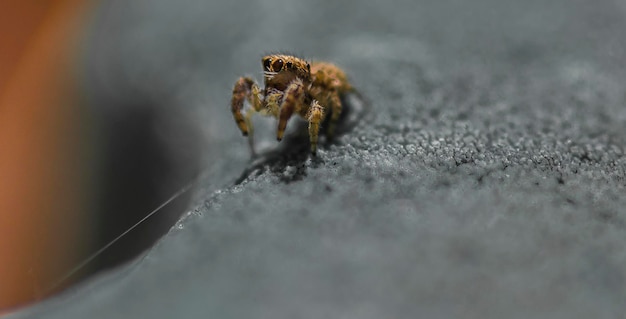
[[292, 85]]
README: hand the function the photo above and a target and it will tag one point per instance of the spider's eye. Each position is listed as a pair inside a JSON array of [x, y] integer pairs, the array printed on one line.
[[266, 64], [308, 66], [278, 65], [289, 65]]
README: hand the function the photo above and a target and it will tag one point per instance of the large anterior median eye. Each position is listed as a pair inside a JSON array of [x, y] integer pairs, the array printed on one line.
[[278, 65], [266, 64]]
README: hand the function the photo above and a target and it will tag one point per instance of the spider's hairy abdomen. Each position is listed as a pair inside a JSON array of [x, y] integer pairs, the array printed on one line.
[[330, 77]]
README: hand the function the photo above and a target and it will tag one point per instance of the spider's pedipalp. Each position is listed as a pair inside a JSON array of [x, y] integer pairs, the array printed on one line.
[[273, 99]]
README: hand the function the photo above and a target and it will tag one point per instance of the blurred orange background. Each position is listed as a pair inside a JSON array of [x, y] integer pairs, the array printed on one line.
[[44, 151]]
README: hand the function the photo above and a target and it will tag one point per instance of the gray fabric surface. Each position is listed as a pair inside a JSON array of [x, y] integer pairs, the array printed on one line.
[[486, 179]]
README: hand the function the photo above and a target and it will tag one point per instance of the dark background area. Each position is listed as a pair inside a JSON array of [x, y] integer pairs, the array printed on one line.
[[485, 177]]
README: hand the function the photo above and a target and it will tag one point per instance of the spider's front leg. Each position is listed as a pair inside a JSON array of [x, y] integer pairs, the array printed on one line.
[[245, 88], [314, 116], [293, 98]]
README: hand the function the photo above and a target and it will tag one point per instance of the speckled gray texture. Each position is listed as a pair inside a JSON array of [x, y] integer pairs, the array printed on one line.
[[486, 181]]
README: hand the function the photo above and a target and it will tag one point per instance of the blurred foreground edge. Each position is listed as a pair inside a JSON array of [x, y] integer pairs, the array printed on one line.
[[73, 174]]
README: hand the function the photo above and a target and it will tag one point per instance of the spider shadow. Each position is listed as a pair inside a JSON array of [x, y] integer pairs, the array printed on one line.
[[289, 161]]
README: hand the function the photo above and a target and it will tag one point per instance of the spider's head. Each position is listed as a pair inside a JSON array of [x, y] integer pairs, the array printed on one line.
[[281, 69]]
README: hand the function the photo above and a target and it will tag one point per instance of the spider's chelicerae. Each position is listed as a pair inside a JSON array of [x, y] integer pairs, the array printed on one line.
[[292, 85]]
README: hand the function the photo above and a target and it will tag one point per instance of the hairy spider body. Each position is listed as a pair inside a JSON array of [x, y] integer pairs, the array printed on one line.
[[292, 85]]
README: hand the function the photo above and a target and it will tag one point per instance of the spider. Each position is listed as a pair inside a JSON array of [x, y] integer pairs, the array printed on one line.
[[292, 85]]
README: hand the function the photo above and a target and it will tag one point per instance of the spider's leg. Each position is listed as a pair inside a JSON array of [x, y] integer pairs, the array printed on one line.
[[336, 107], [314, 116], [255, 101], [244, 88], [294, 94]]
